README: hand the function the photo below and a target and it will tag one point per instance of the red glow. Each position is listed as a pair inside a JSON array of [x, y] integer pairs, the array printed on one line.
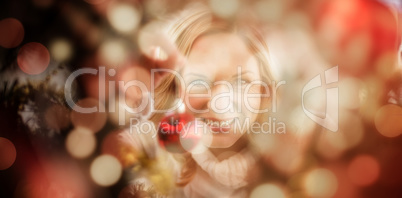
[[363, 170], [356, 33], [7, 153], [121, 145], [11, 33], [33, 58]]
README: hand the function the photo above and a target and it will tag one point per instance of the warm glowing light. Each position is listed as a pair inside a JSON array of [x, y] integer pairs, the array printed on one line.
[[305, 126], [119, 115], [8, 153], [113, 52], [388, 120], [296, 181], [357, 51], [267, 190], [351, 131], [372, 95], [123, 17], [93, 121], [386, 64], [60, 50], [288, 161], [350, 93], [105, 170], [123, 146], [54, 177], [156, 7], [320, 183], [190, 140], [57, 117], [11, 33], [363, 170], [269, 10], [329, 151], [351, 128], [135, 74], [33, 58], [80, 143], [267, 144], [224, 8], [154, 42]]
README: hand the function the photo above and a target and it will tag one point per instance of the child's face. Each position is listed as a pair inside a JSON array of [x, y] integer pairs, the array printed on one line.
[[218, 87]]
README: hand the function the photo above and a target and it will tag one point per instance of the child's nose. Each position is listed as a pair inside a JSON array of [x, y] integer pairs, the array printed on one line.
[[221, 100]]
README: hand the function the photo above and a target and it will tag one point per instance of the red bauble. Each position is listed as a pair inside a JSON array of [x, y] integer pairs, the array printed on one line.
[[172, 128]]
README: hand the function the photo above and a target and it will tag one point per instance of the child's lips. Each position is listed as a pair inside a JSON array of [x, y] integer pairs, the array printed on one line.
[[219, 126], [220, 129]]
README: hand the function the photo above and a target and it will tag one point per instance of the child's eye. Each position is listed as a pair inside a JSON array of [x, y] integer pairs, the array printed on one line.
[[198, 86], [242, 82], [199, 82]]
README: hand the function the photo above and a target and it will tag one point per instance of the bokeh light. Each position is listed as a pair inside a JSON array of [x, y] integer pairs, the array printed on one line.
[[320, 183], [224, 8], [80, 143], [113, 53], [156, 7], [154, 42], [372, 95], [54, 178], [357, 51], [112, 152], [119, 115], [269, 10], [289, 161], [350, 34], [345, 187], [57, 117], [92, 121], [133, 74], [302, 124], [267, 190], [351, 132], [61, 50], [11, 32], [123, 146], [33, 58], [363, 170], [8, 153], [101, 86], [388, 120], [350, 93], [123, 17], [267, 144], [105, 170], [386, 64], [190, 140]]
